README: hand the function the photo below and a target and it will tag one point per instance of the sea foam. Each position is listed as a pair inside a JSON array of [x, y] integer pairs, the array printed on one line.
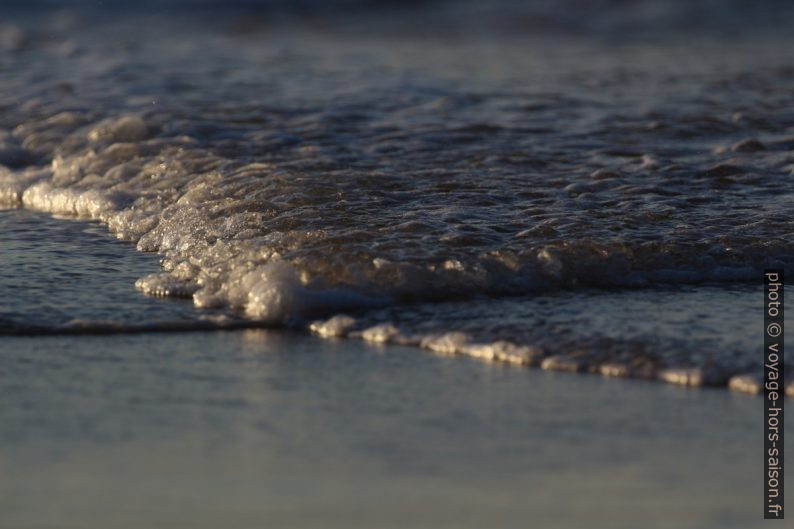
[[290, 177]]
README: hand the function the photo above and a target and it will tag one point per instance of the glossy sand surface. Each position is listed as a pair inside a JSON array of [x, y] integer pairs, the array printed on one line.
[[241, 429]]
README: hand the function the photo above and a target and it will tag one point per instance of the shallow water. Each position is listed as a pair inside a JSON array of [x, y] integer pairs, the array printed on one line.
[[70, 278], [289, 168], [59, 273]]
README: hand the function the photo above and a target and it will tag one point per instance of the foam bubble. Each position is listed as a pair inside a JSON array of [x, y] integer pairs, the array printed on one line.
[[337, 326], [382, 333], [121, 129]]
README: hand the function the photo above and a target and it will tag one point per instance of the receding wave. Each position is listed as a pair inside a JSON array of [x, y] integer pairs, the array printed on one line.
[[279, 240], [289, 175]]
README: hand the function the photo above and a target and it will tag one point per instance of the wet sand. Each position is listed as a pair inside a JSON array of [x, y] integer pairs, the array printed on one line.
[[274, 429]]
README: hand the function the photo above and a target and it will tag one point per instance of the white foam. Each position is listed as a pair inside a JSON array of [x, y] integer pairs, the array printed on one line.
[[450, 343], [746, 383], [335, 327], [504, 351], [14, 183], [248, 236], [382, 333], [165, 285], [90, 203], [121, 129]]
